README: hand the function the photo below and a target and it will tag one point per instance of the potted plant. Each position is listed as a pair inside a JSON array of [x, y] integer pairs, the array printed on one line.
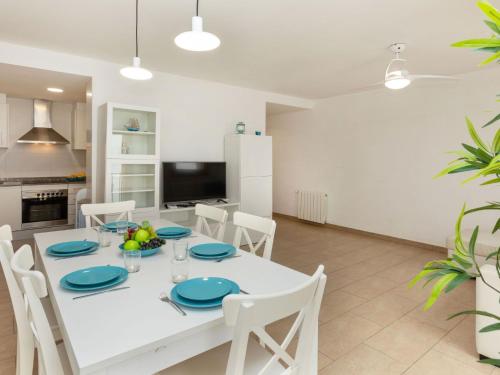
[[484, 161]]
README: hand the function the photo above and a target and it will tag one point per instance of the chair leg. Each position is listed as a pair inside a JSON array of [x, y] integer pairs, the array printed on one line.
[[24, 358]]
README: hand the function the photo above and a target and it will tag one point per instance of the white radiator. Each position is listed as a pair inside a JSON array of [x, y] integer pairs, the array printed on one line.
[[311, 206]]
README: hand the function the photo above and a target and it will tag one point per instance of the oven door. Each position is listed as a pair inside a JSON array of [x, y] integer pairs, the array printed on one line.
[[39, 213]]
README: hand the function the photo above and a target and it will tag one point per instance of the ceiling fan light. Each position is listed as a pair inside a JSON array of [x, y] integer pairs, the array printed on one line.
[[135, 71], [197, 40], [397, 83]]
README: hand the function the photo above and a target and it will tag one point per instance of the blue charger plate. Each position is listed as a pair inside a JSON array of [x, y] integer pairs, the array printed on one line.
[[212, 249], [144, 253], [204, 288], [93, 276], [71, 247], [215, 257], [112, 226], [120, 279], [173, 233], [69, 255], [235, 289]]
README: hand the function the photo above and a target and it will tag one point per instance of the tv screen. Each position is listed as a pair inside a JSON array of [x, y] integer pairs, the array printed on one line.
[[190, 181]]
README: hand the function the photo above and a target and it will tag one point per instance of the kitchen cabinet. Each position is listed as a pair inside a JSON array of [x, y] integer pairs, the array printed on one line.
[[79, 130], [11, 206], [4, 125]]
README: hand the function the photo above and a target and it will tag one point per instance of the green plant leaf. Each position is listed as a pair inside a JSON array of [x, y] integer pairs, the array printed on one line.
[[490, 11], [491, 328], [490, 206], [474, 312], [438, 288], [493, 181], [464, 263], [493, 26], [478, 43], [490, 59], [496, 227], [495, 146], [419, 277], [493, 120], [460, 279], [472, 242], [492, 254], [475, 137], [478, 153]]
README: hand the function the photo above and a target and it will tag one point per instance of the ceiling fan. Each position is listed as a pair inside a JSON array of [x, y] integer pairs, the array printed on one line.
[[397, 76]]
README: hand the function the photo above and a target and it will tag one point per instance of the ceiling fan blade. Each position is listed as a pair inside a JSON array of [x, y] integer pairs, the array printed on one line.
[[431, 76]]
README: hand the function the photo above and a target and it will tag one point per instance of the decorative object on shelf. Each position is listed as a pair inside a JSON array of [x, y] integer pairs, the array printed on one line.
[[132, 125], [124, 148], [76, 177], [135, 71], [240, 127], [258, 132], [197, 40]]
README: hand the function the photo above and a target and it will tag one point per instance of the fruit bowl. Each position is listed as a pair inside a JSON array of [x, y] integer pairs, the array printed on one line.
[[145, 252]]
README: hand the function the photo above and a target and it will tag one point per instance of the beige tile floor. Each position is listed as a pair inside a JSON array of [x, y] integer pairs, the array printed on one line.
[[370, 323]]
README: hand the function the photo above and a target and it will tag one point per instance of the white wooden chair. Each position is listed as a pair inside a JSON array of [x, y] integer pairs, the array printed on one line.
[[251, 313], [218, 215], [25, 344], [122, 209], [21, 264], [243, 221], [80, 196], [52, 358]]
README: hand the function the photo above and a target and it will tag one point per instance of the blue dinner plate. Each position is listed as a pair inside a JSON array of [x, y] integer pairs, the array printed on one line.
[[215, 257], [69, 255], [235, 289], [173, 232], [112, 226], [212, 249], [144, 253], [71, 247], [204, 288], [93, 276], [120, 279]]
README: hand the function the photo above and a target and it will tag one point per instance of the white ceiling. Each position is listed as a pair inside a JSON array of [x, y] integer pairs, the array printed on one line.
[[21, 82], [307, 48]]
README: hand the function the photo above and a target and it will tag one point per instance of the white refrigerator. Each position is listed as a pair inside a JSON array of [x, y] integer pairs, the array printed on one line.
[[249, 173]]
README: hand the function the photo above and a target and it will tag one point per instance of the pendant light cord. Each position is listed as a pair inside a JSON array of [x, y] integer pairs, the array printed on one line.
[[197, 4], [136, 27]]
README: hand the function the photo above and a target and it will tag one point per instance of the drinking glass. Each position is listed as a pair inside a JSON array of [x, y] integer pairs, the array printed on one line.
[[179, 269], [104, 236], [121, 227], [132, 260], [180, 249]]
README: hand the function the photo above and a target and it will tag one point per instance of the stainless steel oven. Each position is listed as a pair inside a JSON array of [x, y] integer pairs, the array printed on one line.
[[44, 208]]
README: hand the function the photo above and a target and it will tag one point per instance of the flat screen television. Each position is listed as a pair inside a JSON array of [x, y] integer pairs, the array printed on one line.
[[192, 181]]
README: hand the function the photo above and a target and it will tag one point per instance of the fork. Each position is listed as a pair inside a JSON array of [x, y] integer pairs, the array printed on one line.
[[164, 297], [221, 259]]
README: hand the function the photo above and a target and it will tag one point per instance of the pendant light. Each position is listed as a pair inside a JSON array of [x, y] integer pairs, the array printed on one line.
[[135, 71], [197, 40]]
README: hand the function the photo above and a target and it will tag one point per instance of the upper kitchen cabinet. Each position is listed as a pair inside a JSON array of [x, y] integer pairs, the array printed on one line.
[[79, 131], [132, 132], [4, 122]]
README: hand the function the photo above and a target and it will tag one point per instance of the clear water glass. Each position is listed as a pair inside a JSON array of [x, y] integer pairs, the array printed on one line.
[[104, 236], [121, 227], [179, 269], [180, 249], [132, 260]]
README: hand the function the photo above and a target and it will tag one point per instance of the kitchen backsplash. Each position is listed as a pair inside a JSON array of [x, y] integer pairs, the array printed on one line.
[[39, 160]]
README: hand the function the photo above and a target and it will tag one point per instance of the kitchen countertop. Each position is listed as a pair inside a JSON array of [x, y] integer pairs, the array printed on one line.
[[18, 181]]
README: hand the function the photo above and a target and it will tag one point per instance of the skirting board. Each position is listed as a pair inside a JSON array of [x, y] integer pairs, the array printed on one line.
[[423, 245]]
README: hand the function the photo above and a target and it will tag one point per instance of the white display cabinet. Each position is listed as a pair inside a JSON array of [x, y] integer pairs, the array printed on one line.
[[133, 180], [132, 132]]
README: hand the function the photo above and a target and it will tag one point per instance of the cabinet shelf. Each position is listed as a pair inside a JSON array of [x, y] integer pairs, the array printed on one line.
[[133, 175], [127, 132], [132, 191]]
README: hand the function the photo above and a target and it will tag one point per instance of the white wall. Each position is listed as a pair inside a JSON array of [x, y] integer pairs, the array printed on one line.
[[195, 114], [33, 160], [375, 154]]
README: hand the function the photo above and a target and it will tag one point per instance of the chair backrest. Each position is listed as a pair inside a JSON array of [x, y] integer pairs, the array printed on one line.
[[21, 263], [26, 346], [90, 211], [251, 313], [243, 221], [42, 333], [81, 195], [218, 215]]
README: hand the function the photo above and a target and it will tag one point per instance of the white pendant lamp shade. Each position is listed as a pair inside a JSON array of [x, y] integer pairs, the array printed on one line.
[[135, 71], [396, 75], [397, 83], [197, 40]]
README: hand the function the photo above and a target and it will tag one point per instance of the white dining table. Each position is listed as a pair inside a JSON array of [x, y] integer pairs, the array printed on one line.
[[131, 331]]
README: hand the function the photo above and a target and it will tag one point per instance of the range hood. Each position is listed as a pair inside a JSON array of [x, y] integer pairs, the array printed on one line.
[[42, 131]]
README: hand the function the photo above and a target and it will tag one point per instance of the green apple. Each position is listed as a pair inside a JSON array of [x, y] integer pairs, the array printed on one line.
[[141, 235], [131, 245]]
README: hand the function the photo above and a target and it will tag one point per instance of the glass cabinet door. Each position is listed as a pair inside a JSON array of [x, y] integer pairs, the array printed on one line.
[[133, 182], [133, 133]]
